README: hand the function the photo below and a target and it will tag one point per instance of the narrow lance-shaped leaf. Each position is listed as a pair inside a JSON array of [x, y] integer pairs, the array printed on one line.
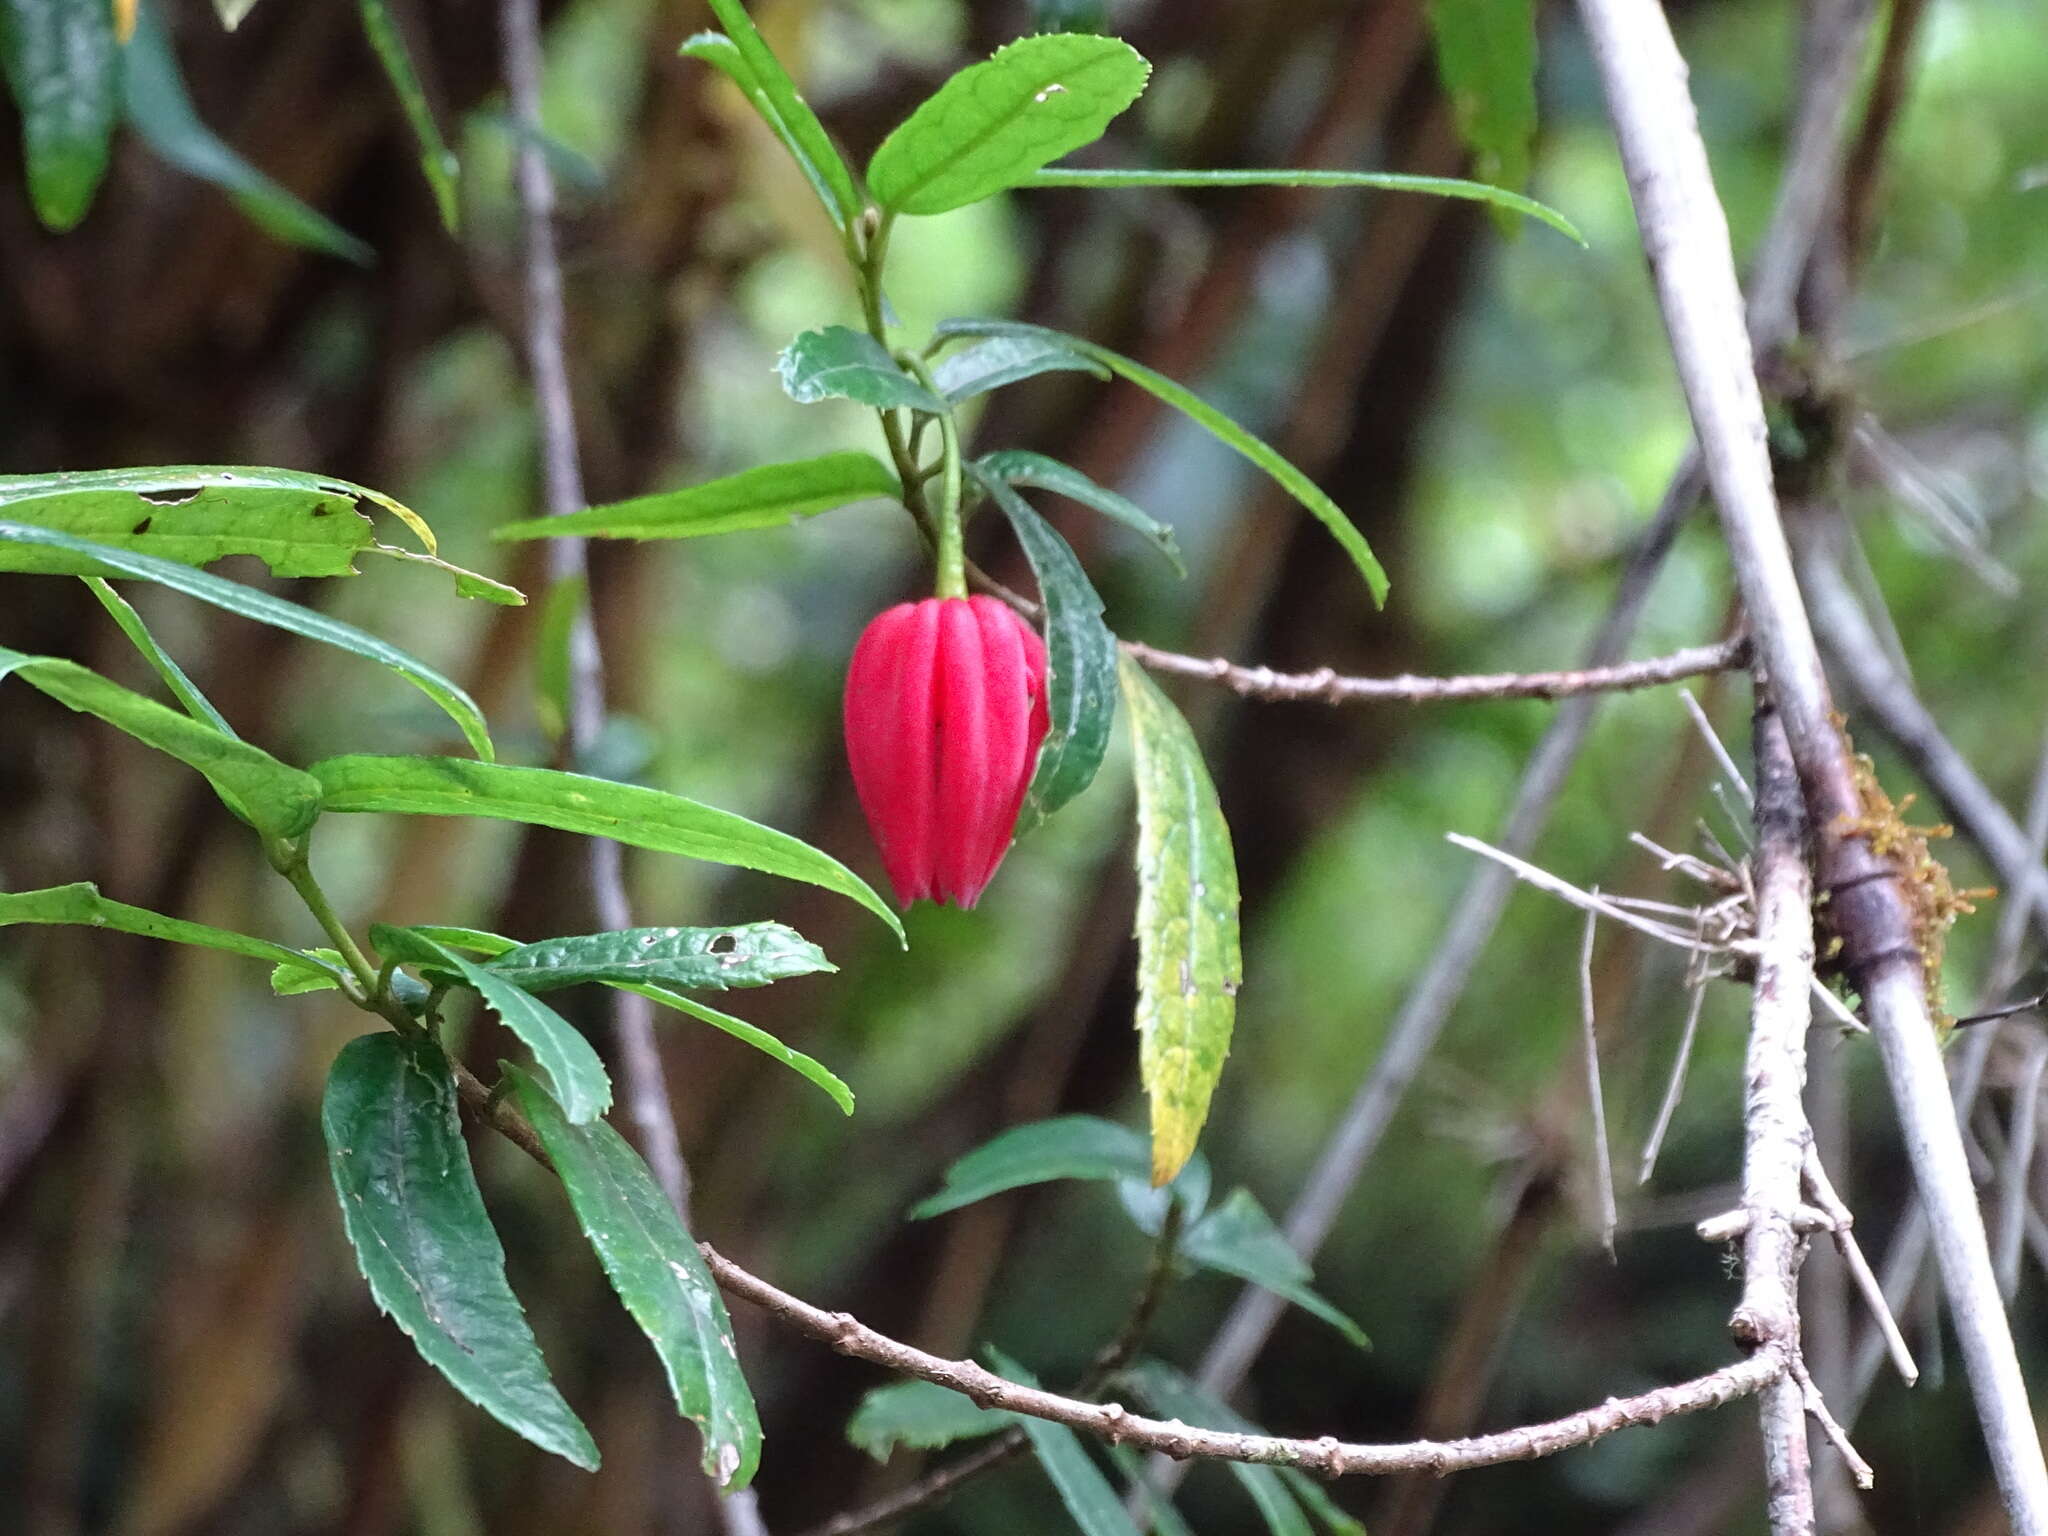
[[1168, 1393], [1486, 53], [1080, 655], [273, 797], [1189, 963], [58, 57], [1501, 198], [811, 1070], [1067, 1147], [655, 1267], [154, 99], [81, 905], [275, 611], [437, 160], [764, 497], [1087, 1494], [575, 802], [745, 955], [745, 56], [1005, 360], [842, 363], [1239, 1238], [996, 122], [496, 945], [919, 1415], [423, 1240], [190, 699], [1218, 425], [571, 1064], [1020, 466]]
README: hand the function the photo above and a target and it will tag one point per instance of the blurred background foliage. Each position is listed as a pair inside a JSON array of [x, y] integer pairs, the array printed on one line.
[[184, 1345]]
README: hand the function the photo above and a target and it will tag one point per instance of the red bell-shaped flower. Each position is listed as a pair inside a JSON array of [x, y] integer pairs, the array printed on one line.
[[945, 711]]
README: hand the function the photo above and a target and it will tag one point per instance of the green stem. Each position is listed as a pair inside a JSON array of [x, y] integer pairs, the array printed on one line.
[[950, 545], [300, 875]]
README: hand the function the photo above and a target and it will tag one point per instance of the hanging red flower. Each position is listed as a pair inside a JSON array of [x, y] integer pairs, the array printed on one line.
[[945, 711]]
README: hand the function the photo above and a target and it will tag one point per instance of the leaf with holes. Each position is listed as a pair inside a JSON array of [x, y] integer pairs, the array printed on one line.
[[655, 1267], [423, 1240], [747, 955], [765, 497], [1080, 690], [575, 802], [1214, 422], [1019, 466], [59, 60], [573, 1070], [996, 122], [1189, 962], [842, 363], [265, 609], [277, 800]]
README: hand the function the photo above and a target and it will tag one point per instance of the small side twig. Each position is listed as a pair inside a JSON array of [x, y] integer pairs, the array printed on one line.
[[1820, 1189], [1589, 1040], [1329, 687], [1674, 1088]]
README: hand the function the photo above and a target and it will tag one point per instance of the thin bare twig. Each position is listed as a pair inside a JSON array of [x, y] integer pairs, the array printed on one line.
[[1329, 687], [2018, 1167], [1685, 235], [1587, 901], [1589, 1040], [1674, 1089], [1821, 1190]]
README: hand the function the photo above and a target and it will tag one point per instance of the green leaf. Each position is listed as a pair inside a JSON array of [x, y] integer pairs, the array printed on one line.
[[318, 970], [296, 523], [1166, 1520], [1486, 53], [574, 1073], [749, 955], [574, 802], [745, 56], [841, 363], [1080, 690], [416, 1219], [655, 1267], [58, 56], [1006, 360], [804, 1066], [1068, 1147], [233, 12], [1019, 466], [189, 698], [1146, 1204], [1383, 181], [994, 123], [1189, 963], [1213, 421], [560, 610], [274, 798], [766, 497], [264, 608], [1239, 1238], [490, 945], [1087, 1494], [920, 1415], [154, 101], [1171, 1395], [82, 905], [437, 160]]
